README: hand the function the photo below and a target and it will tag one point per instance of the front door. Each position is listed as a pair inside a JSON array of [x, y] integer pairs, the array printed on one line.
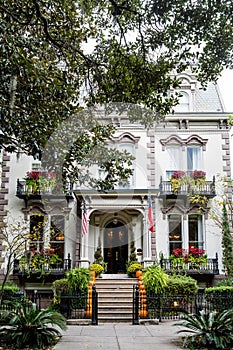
[[116, 247]]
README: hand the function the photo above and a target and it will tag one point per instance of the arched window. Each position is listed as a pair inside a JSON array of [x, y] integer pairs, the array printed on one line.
[[184, 102]]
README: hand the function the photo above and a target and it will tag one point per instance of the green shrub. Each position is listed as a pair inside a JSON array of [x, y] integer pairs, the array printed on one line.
[[221, 297], [180, 284], [78, 280], [155, 279], [31, 328], [208, 330], [9, 291], [219, 290], [225, 282]]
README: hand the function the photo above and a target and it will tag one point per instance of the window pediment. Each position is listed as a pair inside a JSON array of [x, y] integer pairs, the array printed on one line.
[[191, 140], [126, 137]]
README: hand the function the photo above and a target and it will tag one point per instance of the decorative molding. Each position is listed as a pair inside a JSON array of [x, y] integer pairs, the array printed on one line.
[[180, 209], [192, 139], [125, 137], [38, 208], [226, 159]]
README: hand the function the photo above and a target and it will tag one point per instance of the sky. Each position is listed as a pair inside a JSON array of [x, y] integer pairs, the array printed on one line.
[[225, 84]]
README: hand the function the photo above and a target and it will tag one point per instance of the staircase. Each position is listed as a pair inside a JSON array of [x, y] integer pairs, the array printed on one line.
[[115, 298]]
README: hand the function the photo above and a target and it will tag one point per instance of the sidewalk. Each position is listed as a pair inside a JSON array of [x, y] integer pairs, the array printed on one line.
[[120, 336]]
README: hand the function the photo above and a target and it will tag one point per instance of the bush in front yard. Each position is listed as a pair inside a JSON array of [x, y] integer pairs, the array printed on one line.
[[221, 297], [26, 327], [181, 285]]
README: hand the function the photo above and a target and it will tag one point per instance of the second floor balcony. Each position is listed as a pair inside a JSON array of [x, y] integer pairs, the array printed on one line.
[[25, 190], [186, 186], [41, 266], [207, 266]]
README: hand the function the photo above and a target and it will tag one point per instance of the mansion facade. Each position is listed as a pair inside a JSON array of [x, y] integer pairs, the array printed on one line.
[[175, 169]]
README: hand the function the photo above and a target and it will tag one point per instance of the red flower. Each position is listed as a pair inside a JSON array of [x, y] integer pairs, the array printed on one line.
[[196, 252], [178, 174], [33, 175], [197, 174], [178, 252]]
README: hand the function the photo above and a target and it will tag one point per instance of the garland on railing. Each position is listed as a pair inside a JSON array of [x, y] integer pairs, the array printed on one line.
[[195, 257], [191, 179]]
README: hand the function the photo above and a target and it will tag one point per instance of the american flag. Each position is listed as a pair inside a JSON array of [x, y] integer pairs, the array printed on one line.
[[84, 220], [150, 215]]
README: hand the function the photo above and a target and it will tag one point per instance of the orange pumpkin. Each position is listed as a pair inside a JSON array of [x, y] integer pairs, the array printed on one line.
[[138, 273], [88, 313], [143, 313]]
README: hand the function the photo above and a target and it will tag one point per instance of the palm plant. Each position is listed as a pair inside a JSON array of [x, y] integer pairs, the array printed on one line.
[[26, 327], [210, 330]]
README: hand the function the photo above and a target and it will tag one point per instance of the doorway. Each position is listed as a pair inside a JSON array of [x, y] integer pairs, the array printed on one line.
[[116, 247]]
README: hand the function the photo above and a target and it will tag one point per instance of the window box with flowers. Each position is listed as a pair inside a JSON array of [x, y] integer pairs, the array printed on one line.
[[40, 181], [180, 181], [43, 262], [187, 182], [193, 259]]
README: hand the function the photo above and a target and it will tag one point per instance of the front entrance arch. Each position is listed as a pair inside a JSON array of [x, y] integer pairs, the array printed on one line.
[[116, 247]]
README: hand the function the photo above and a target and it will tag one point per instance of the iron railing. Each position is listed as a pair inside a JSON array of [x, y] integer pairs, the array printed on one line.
[[161, 306], [58, 268], [23, 190], [79, 306], [209, 267], [205, 189]]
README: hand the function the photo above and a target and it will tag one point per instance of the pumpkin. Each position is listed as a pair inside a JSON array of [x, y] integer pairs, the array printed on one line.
[[138, 273]]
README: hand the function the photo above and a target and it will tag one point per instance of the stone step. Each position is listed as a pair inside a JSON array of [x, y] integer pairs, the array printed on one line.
[[116, 281], [115, 299], [112, 302], [114, 319]]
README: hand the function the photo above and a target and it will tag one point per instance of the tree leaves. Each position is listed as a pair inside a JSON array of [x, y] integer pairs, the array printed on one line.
[[48, 75]]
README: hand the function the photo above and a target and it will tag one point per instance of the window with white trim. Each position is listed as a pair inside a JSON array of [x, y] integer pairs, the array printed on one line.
[[178, 235], [187, 158], [175, 232], [184, 102], [130, 148], [47, 232], [195, 228]]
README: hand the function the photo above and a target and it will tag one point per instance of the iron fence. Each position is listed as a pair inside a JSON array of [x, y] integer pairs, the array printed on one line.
[[161, 306], [79, 306]]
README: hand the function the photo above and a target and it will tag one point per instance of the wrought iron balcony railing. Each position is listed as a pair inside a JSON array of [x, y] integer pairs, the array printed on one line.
[[210, 267], [207, 188], [58, 268], [24, 190]]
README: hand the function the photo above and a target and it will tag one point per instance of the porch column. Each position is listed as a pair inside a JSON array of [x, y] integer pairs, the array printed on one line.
[[84, 261], [185, 234], [146, 243]]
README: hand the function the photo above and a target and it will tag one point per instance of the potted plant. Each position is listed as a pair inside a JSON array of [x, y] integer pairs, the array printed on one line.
[[97, 268], [132, 268], [34, 261], [99, 259]]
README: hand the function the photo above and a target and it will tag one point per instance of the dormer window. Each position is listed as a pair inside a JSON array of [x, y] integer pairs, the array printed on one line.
[[184, 103]]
